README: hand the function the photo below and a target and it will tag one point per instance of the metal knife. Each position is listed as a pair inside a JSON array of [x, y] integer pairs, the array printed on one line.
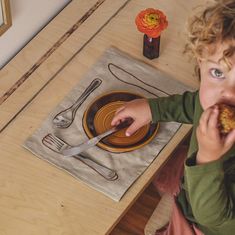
[[92, 142]]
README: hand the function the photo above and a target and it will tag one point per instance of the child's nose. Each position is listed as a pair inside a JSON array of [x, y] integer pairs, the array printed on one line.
[[229, 93]]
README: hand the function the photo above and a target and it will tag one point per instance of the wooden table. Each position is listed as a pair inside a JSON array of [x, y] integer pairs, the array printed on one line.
[[35, 197]]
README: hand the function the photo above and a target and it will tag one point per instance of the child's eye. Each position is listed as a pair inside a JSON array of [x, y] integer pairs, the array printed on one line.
[[216, 73]]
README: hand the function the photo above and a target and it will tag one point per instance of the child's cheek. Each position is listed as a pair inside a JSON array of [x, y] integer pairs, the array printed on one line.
[[207, 97]]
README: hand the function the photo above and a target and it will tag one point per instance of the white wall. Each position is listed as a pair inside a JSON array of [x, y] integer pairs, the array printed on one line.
[[28, 17]]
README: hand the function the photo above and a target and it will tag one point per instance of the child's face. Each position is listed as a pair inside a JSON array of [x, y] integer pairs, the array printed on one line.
[[217, 83]]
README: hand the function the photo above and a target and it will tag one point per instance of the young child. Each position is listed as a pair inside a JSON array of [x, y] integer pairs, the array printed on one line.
[[207, 190]]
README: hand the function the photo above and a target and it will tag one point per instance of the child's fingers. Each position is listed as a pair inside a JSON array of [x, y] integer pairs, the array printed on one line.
[[204, 120], [119, 116], [133, 128], [120, 109], [230, 139], [213, 120], [116, 120]]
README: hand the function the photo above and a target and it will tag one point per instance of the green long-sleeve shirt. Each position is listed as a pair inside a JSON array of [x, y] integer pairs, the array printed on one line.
[[207, 196]]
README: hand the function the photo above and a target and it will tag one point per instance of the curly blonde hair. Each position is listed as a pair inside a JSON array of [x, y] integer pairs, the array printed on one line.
[[215, 24]]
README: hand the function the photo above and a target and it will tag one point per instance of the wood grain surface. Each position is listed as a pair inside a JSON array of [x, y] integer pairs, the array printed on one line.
[[36, 197], [52, 49]]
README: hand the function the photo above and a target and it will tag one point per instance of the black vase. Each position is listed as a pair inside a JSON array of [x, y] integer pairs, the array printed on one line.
[[151, 47]]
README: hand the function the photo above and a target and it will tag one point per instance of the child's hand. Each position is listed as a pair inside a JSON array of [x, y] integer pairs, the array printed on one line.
[[138, 110], [212, 145]]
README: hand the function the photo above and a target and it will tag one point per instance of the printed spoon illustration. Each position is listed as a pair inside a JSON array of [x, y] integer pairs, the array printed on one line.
[[123, 75], [65, 118]]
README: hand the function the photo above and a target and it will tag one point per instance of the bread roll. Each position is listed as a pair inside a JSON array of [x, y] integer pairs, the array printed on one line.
[[226, 118]]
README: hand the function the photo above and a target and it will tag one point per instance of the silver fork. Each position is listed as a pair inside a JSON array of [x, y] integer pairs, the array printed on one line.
[[58, 145]]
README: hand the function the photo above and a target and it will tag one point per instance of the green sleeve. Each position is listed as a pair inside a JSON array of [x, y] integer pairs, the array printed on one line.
[[211, 202], [178, 108]]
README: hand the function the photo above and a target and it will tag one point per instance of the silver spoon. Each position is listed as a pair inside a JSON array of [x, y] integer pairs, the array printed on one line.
[[65, 118]]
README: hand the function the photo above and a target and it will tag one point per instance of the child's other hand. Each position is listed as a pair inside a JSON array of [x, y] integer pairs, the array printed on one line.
[[138, 110], [212, 145]]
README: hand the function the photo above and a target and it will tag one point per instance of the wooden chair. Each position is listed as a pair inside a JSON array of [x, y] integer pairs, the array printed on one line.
[[160, 216], [162, 212]]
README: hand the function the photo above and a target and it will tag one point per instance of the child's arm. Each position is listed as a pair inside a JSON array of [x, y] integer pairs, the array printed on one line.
[[138, 110], [208, 192], [178, 108]]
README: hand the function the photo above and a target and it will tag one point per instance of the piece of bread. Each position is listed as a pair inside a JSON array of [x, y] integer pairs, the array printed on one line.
[[226, 118]]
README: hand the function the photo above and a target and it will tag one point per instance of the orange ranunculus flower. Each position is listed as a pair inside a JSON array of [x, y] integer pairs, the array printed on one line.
[[151, 22]]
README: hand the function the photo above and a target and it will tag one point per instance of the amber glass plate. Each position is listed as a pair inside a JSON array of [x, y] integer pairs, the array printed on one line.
[[97, 119]]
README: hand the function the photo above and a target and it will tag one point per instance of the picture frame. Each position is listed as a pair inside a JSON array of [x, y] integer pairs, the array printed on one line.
[[5, 16]]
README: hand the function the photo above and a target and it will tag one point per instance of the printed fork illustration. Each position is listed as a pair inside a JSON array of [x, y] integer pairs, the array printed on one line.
[[65, 118], [58, 145]]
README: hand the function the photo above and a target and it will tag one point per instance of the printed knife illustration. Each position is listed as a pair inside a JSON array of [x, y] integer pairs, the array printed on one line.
[[92, 142]]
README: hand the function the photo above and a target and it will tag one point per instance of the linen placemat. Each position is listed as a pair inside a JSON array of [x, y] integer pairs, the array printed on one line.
[[117, 71]]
